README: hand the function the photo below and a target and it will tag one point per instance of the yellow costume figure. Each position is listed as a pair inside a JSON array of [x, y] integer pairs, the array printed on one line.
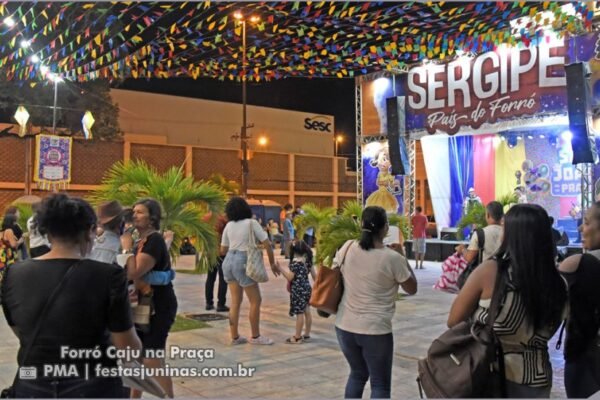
[[383, 197]]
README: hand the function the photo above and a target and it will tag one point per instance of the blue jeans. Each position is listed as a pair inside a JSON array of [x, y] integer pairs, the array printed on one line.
[[369, 357]]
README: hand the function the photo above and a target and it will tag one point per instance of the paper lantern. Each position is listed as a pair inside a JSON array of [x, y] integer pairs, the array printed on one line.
[[87, 122], [22, 116]]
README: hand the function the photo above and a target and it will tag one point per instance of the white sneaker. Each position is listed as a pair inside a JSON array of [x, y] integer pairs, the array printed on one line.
[[260, 340], [239, 340]]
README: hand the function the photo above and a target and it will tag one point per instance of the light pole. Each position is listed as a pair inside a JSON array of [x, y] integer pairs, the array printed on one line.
[[243, 133], [56, 79], [337, 140]]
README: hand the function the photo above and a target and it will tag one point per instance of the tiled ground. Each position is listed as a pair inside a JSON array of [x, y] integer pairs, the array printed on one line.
[[310, 370]]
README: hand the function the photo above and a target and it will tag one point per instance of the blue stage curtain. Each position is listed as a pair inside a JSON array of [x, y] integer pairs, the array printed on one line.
[[460, 150]]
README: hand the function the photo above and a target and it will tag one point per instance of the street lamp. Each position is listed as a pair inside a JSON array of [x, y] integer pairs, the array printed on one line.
[[243, 134], [337, 140], [22, 117], [56, 79], [263, 141]]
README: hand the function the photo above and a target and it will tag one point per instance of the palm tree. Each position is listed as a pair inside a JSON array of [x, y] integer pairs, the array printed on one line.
[[346, 226], [232, 188], [184, 202], [476, 214], [313, 217]]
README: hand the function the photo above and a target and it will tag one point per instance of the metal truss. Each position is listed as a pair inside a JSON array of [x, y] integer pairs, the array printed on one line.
[[410, 180], [358, 113], [587, 189]]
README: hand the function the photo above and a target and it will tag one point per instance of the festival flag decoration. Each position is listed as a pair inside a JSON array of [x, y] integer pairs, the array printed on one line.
[[116, 40]]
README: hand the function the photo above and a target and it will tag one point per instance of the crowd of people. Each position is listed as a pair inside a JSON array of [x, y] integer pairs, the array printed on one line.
[[102, 262]]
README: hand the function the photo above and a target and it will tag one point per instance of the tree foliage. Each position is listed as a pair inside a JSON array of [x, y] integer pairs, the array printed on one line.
[[73, 100], [184, 202], [346, 226]]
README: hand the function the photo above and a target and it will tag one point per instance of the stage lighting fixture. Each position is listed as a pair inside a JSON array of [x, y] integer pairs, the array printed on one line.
[[511, 141], [567, 136], [529, 136], [553, 140], [542, 137]]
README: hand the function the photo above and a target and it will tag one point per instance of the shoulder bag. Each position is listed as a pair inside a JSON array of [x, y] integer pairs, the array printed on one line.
[[9, 392], [328, 287], [255, 264], [460, 363]]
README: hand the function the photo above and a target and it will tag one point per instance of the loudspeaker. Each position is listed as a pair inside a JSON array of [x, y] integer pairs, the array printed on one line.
[[396, 133], [580, 114]]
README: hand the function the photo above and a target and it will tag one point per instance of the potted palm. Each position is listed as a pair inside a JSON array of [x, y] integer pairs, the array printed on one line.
[[183, 200], [346, 226], [476, 214]]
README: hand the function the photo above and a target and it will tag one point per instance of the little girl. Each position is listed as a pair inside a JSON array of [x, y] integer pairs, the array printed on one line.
[[300, 290]]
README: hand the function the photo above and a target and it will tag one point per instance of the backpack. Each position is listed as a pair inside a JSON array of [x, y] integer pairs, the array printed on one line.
[[462, 278], [459, 363]]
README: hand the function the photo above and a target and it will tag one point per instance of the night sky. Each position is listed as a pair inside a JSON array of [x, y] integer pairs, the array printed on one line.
[[319, 96]]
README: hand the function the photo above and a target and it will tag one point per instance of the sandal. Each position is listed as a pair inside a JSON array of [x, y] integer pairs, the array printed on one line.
[[294, 340], [306, 338]]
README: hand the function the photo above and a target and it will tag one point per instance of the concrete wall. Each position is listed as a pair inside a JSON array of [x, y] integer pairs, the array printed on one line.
[[186, 121]]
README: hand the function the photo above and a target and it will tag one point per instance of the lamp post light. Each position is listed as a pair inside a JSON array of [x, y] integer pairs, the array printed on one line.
[[337, 140], [56, 79], [243, 133], [22, 117]]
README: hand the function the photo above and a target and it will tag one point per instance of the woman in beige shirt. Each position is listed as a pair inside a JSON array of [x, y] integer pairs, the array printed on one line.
[[372, 273]]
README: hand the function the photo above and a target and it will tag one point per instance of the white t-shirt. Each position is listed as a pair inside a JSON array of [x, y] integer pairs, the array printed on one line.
[[235, 235], [493, 240], [371, 280], [35, 238]]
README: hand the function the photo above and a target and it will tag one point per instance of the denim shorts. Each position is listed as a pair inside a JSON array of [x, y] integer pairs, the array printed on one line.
[[234, 268]]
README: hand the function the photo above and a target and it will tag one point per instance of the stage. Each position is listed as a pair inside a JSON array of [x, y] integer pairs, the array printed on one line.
[[439, 250]]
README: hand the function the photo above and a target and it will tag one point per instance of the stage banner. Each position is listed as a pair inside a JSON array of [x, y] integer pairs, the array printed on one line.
[[380, 187], [52, 161]]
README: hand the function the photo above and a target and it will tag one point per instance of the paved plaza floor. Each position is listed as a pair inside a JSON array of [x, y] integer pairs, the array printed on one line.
[[315, 369]]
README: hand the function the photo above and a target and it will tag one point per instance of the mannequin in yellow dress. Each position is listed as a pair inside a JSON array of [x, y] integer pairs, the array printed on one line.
[[383, 196]]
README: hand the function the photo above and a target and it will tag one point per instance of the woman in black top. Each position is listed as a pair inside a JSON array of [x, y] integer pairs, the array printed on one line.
[[91, 308], [13, 212], [582, 272], [152, 255]]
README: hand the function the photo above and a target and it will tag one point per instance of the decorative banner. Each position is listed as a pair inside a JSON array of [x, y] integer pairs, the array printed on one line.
[[52, 161], [497, 87], [116, 40], [503, 84], [380, 187]]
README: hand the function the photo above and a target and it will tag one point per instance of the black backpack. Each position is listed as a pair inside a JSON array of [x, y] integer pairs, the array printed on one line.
[[462, 278]]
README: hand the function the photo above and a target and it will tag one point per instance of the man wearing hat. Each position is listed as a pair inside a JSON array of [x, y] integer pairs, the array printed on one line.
[[470, 201], [108, 245]]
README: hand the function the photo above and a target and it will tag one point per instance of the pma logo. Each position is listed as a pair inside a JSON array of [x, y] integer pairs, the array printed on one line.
[[319, 123]]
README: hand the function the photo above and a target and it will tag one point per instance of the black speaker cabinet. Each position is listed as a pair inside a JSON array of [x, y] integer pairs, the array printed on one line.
[[396, 126], [580, 114]]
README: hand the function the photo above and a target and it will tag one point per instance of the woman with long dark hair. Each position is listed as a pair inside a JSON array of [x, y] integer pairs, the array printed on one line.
[[151, 254], [582, 272], [62, 300], [234, 245], [533, 303], [372, 273]]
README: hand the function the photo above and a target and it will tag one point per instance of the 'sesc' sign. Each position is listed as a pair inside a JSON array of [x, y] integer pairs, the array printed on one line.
[[507, 83]]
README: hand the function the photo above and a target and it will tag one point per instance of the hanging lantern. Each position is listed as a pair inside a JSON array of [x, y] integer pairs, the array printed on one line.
[[22, 116], [87, 122]]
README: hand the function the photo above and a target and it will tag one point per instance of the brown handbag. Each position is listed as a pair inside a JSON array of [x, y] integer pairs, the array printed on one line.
[[328, 288]]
